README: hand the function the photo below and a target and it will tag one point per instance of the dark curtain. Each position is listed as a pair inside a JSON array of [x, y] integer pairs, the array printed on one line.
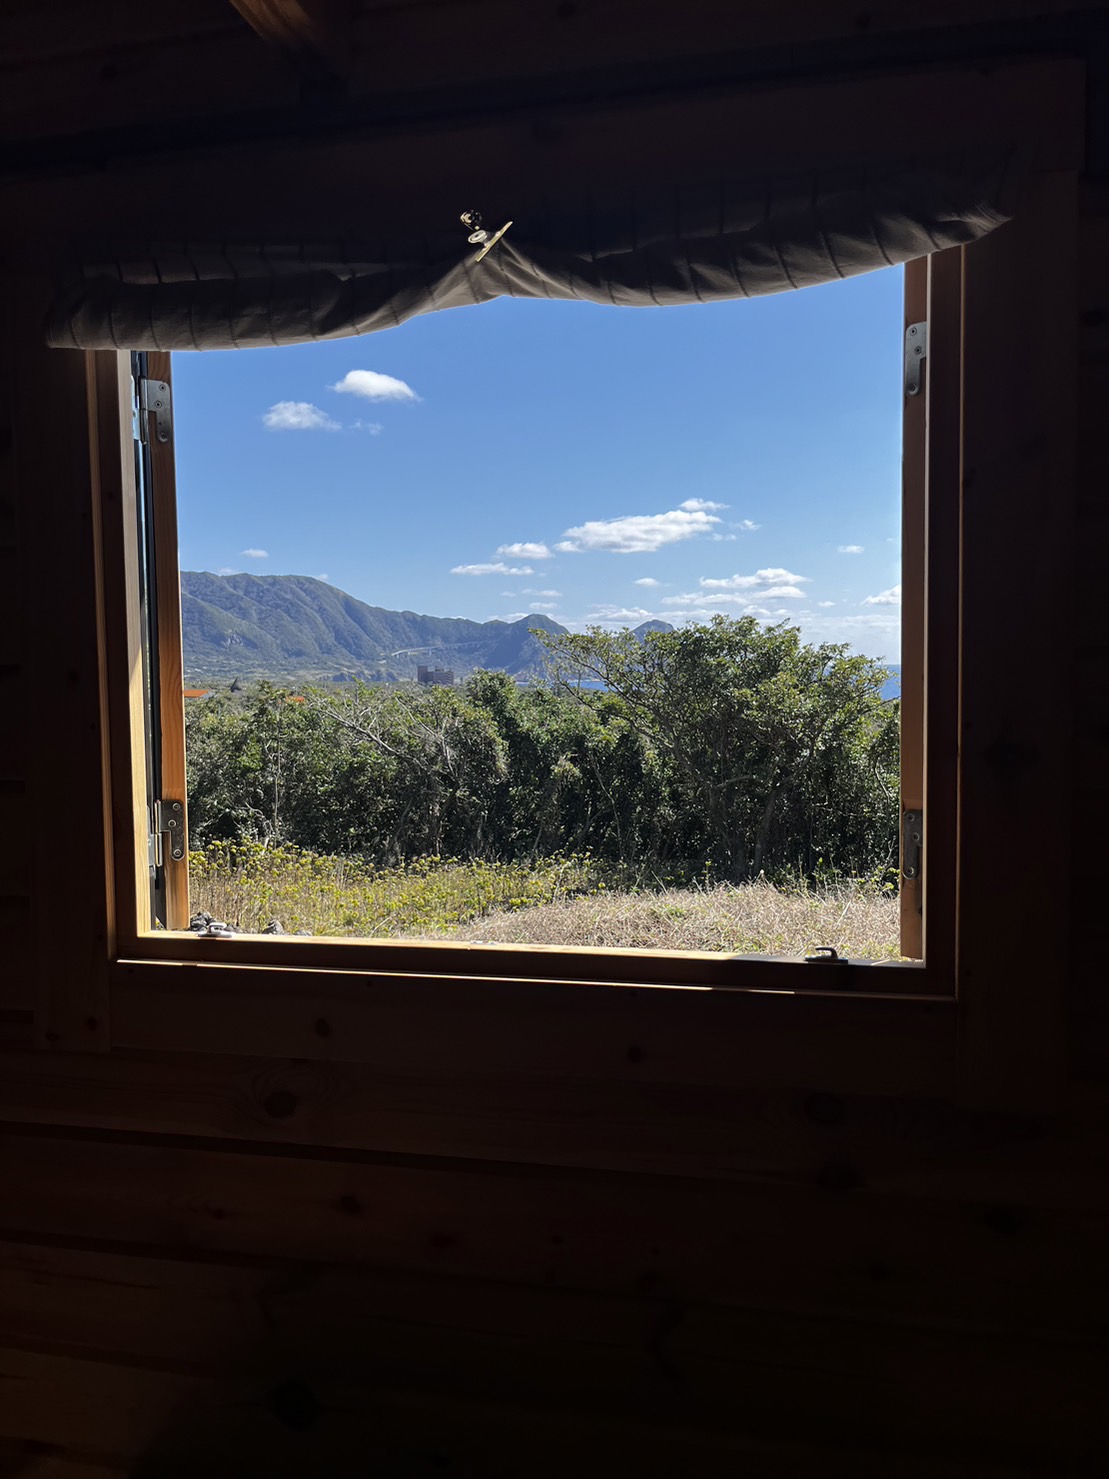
[[670, 246]]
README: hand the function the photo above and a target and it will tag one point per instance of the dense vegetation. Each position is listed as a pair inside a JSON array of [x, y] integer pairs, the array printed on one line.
[[728, 750]]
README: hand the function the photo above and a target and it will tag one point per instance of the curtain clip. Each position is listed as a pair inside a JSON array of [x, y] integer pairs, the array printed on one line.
[[478, 236]]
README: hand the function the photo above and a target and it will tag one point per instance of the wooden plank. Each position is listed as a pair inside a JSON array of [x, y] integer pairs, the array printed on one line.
[[15, 754], [62, 713], [170, 1424], [916, 1148], [189, 75], [914, 489], [424, 1026], [943, 546], [515, 165], [17, 986], [32, 31], [401, 46], [123, 693], [15, 832], [167, 625], [1088, 1007], [1018, 529], [316, 35], [29, 1459], [825, 1249], [459, 961], [635, 1356]]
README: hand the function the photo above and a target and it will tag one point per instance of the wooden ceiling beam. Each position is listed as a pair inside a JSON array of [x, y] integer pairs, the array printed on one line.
[[316, 35]]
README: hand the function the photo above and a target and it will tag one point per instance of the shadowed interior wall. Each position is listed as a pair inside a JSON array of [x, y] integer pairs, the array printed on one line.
[[280, 1264]]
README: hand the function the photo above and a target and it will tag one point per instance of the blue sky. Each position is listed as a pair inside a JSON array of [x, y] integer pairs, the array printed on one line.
[[601, 465]]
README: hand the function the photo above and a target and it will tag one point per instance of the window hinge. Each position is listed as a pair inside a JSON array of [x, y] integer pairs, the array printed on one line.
[[916, 352], [912, 843], [167, 840], [155, 399]]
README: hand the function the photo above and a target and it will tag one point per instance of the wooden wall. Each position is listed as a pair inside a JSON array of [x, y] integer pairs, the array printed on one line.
[[281, 1265]]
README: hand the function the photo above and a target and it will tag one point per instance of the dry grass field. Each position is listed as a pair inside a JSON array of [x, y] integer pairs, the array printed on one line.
[[754, 918], [552, 902]]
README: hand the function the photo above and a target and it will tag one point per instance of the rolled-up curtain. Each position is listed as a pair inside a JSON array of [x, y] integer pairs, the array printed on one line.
[[671, 246]]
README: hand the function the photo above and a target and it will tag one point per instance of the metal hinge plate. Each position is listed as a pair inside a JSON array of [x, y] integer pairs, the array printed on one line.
[[916, 352], [168, 837], [912, 844], [155, 399]]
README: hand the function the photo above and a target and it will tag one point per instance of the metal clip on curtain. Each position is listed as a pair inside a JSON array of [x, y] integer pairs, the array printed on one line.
[[479, 236]]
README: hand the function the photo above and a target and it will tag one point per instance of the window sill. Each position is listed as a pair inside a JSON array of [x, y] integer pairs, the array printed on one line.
[[767, 1032], [567, 966]]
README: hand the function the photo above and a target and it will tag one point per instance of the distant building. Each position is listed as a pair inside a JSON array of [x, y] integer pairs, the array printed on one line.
[[437, 677]]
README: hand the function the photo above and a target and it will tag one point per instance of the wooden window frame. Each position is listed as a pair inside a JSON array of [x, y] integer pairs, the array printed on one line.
[[999, 434], [932, 292]]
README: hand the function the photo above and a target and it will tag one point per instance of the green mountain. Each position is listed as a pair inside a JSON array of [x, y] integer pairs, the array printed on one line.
[[291, 626]]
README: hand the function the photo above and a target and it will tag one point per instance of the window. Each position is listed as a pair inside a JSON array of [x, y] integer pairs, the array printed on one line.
[[999, 427], [156, 631]]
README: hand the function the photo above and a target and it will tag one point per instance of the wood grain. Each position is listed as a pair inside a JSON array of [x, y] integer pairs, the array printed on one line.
[[162, 495], [242, 1330], [831, 1248], [1014, 818], [120, 639], [410, 1024], [914, 495], [519, 162], [315, 34], [61, 712], [909, 1147]]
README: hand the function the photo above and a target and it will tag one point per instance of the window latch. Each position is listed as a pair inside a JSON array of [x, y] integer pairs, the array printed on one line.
[[155, 399], [916, 352], [167, 840], [912, 843]]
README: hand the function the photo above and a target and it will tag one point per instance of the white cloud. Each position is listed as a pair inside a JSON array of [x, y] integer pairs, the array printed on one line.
[[619, 614], [529, 591], [324, 578], [892, 597], [639, 533], [256, 554], [704, 504], [771, 575], [748, 526], [499, 568], [825, 603], [849, 549], [298, 416], [647, 580], [544, 606], [772, 583], [374, 428], [228, 570], [373, 386], [525, 551], [724, 538]]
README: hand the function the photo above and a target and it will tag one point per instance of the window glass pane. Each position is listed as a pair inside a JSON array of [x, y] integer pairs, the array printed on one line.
[[550, 623]]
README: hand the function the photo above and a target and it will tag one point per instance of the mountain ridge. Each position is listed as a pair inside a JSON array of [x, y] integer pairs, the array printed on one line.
[[284, 626]]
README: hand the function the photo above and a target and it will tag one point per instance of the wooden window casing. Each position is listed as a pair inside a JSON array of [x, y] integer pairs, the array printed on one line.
[[930, 976], [998, 435]]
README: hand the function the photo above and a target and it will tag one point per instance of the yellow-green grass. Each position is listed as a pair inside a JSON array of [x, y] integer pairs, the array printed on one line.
[[248, 885], [550, 902]]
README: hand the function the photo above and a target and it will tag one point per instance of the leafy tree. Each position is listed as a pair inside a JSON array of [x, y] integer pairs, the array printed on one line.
[[730, 746], [764, 736]]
